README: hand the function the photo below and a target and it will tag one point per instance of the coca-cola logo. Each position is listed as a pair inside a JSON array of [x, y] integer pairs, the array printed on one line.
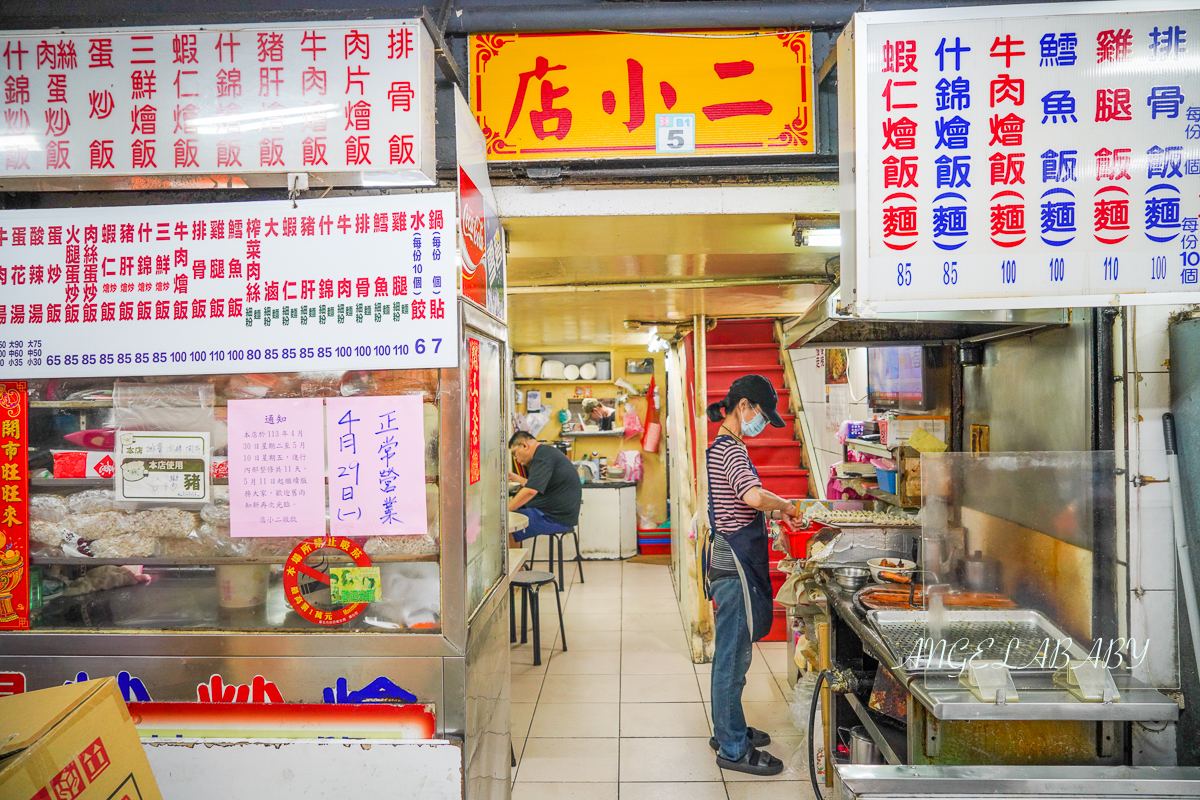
[[472, 222], [105, 467]]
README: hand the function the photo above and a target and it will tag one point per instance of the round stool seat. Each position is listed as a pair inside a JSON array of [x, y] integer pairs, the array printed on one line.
[[531, 577]]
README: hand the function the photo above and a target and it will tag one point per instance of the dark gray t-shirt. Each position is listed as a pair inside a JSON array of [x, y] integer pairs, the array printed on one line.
[[559, 492]]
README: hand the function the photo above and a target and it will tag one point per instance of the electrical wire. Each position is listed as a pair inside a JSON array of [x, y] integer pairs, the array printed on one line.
[[812, 724]]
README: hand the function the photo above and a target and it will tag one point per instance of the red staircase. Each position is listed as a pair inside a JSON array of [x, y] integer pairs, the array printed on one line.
[[743, 347]]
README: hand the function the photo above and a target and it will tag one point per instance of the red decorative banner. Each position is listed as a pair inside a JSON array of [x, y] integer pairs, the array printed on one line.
[[473, 411], [14, 506], [296, 566]]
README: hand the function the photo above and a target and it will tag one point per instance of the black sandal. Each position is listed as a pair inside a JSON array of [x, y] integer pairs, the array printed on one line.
[[757, 739], [755, 762]]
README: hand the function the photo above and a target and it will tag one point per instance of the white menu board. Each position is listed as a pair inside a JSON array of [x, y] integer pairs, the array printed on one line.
[[346, 283], [345, 97], [1021, 156]]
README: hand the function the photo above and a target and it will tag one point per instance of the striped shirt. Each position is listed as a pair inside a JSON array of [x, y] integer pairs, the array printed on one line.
[[730, 476]]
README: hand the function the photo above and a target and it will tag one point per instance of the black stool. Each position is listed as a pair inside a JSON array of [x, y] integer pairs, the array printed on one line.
[[558, 537], [529, 581]]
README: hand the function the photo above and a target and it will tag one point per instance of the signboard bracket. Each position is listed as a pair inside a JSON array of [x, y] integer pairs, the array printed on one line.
[[441, 51]]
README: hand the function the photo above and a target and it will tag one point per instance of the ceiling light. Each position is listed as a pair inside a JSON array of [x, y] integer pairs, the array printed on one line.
[[819, 237]]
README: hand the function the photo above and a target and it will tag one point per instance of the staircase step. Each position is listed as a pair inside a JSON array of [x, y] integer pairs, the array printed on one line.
[[789, 483], [741, 331], [747, 355], [720, 378]]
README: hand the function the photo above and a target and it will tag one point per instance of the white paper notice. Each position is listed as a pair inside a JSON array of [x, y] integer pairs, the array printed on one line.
[[837, 405], [277, 467]]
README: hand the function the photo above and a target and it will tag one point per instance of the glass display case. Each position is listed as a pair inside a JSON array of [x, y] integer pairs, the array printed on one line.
[[139, 564]]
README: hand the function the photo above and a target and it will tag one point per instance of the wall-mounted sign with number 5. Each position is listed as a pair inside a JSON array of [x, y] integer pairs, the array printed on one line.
[[674, 133]]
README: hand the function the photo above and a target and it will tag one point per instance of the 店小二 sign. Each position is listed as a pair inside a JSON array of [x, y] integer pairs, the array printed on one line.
[[597, 95]]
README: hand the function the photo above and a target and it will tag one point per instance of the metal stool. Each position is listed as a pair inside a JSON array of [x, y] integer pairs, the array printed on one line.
[[529, 581], [558, 537]]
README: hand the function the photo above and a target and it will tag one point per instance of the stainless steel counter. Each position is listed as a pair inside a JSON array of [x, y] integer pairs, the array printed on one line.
[[1040, 699], [862, 781]]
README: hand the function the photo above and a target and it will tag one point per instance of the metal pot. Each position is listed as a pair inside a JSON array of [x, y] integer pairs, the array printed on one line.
[[981, 574], [862, 748], [851, 578]]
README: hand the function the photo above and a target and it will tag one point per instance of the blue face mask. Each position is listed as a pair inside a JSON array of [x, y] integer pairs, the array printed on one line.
[[755, 426]]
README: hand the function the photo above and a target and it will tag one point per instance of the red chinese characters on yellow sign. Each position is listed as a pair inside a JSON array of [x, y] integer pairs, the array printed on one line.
[[595, 95], [473, 466], [14, 506]]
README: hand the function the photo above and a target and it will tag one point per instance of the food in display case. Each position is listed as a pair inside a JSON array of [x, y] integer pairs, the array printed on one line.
[[178, 546]]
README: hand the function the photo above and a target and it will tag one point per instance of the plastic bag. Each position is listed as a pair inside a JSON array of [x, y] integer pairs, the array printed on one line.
[[799, 705], [631, 460], [92, 501], [633, 423], [48, 508]]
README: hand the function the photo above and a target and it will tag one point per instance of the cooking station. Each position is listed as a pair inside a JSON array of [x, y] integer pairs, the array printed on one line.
[[941, 670]]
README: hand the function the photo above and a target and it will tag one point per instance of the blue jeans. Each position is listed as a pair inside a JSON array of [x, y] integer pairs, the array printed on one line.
[[539, 524], [731, 662]]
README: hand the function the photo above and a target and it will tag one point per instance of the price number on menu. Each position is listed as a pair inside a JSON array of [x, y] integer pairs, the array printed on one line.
[[1111, 265], [950, 273], [1008, 270], [904, 274], [1158, 268], [1058, 270]]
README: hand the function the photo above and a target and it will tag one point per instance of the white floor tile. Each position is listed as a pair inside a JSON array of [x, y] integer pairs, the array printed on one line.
[[651, 622], [667, 760], [659, 689], [520, 716], [582, 760], [526, 688], [767, 789], [523, 790], [672, 791], [585, 662], [654, 640], [592, 622], [655, 662], [771, 717], [581, 689], [594, 640], [658, 720], [575, 720]]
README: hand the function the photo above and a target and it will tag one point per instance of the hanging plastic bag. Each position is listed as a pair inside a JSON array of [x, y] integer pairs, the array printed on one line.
[[653, 433], [798, 709], [631, 460], [632, 422]]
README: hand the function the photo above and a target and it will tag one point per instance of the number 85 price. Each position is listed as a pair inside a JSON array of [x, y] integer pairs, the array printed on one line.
[[904, 274]]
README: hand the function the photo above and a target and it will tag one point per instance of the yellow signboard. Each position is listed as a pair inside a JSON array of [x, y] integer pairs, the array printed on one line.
[[555, 96]]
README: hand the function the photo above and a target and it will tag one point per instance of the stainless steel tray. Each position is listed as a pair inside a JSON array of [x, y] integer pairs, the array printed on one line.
[[1017, 636]]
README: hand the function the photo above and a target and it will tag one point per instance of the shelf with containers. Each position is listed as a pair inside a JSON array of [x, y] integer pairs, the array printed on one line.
[[206, 602]]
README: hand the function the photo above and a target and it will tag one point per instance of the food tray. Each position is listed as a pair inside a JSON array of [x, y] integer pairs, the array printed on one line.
[[988, 634]]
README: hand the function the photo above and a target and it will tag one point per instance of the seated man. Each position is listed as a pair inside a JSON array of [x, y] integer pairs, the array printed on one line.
[[552, 492], [599, 414]]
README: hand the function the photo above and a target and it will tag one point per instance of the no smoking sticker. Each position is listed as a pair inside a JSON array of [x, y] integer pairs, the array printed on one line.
[[300, 578]]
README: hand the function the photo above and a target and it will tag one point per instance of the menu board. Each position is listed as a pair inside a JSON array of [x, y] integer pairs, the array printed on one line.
[[276, 286], [349, 97], [375, 449], [277, 467], [1021, 157]]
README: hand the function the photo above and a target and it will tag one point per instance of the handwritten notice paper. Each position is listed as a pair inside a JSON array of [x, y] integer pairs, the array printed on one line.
[[375, 447], [276, 468]]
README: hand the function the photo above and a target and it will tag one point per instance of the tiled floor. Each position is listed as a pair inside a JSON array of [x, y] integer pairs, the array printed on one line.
[[624, 713]]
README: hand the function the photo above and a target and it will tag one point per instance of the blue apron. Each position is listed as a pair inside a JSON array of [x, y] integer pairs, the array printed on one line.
[[751, 548]]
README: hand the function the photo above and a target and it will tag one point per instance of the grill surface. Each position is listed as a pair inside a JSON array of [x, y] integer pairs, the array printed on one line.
[[1021, 639]]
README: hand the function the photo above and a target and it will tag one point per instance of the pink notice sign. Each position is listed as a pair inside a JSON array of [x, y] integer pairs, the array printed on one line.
[[375, 447], [276, 468]]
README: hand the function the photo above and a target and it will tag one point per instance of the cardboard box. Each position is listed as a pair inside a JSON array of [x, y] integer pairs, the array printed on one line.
[[73, 742]]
